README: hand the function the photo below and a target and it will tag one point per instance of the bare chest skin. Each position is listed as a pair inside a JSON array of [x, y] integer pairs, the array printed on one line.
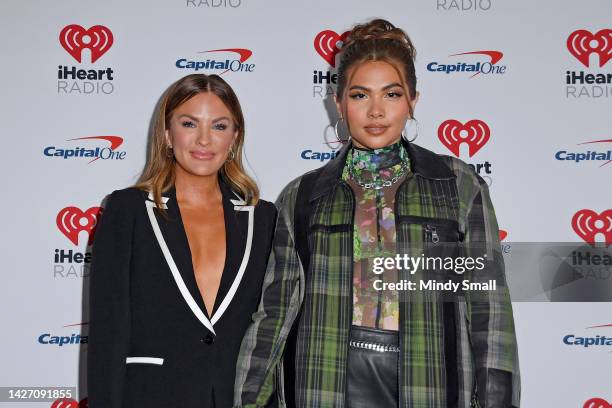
[[205, 229]]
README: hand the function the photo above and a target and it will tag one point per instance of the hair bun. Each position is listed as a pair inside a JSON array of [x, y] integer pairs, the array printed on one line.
[[379, 29]]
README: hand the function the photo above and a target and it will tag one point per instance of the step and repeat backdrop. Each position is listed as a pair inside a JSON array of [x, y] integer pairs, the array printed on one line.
[[520, 90]]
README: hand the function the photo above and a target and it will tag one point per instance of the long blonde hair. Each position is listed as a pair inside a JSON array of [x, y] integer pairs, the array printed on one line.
[[158, 175]]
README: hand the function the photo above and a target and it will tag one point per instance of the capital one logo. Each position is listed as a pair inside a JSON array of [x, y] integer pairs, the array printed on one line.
[[222, 61], [597, 403], [475, 133], [104, 153], [587, 224], [72, 220], [582, 43], [328, 44], [74, 38], [487, 66]]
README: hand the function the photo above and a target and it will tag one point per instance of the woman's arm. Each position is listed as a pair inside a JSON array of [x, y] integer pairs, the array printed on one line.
[[264, 341], [109, 307]]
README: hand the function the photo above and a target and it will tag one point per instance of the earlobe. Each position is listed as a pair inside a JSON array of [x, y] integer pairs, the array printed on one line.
[[167, 134]]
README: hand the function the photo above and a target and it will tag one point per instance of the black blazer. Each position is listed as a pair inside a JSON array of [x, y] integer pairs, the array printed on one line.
[[151, 342]]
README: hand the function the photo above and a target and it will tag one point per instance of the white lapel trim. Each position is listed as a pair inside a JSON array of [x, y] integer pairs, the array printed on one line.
[[238, 200], [239, 205], [175, 272], [164, 200], [245, 261]]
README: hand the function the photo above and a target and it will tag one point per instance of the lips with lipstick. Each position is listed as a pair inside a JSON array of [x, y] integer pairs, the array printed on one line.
[[376, 128], [202, 154]]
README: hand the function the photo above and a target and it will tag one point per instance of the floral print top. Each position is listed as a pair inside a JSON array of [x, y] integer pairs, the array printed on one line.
[[374, 230]]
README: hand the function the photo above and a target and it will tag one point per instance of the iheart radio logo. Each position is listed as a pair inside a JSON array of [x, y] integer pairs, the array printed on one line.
[[74, 38], [582, 43], [71, 221], [597, 403], [328, 44], [70, 403], [502, 234], [475, 133], [587, 224], [65, 403]]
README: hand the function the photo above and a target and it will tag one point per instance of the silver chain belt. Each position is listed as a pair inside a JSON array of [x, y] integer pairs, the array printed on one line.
[[382, 348]]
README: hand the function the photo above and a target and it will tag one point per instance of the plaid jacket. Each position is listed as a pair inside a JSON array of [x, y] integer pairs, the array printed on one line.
[[459, 353]]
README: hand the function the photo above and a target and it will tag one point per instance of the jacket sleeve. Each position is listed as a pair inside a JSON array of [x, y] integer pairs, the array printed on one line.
[[264, 341], [109, 311], [492, 329]]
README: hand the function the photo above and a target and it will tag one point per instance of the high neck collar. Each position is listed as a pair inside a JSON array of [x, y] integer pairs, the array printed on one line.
[[375, 160], [423, 162], [376, 164]]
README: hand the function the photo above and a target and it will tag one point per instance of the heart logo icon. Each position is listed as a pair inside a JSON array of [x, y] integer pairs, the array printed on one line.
[[74, 38], [502, 234], [71, 221], [328, 44], [65, 403], [582, 43], [453, 133], [597, 403], [587, 224]]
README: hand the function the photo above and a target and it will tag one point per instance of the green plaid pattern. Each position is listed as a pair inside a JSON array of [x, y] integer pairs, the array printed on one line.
[[484, 326]]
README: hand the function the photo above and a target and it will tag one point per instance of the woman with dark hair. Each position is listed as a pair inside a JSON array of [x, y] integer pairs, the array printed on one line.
[[346, 342], [178, 260]]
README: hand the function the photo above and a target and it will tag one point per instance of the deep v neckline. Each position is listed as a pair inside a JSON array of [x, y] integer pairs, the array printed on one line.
[[219, 295]]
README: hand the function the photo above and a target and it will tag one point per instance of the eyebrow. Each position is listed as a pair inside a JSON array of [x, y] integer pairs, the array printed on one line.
[[197, 120], [189, 116], [393, 85], [222, 118]]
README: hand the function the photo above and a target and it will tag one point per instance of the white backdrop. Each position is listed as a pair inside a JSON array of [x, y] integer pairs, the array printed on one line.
[[534, 118]]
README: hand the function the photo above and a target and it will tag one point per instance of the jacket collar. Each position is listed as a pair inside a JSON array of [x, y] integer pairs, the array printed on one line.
[[229, 196], [424, 163]]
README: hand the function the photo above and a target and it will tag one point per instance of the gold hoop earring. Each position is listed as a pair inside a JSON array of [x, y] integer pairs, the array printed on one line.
[[231, 155]]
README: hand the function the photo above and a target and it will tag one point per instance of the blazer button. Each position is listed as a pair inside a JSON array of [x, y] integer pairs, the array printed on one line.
[[209, 339]]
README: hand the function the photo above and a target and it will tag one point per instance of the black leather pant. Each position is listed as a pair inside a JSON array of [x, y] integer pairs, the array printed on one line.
[[373, 366]]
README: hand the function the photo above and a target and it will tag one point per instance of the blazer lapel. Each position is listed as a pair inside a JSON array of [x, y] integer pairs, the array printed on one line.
[[234, 245], [171, 236], [239, 228]]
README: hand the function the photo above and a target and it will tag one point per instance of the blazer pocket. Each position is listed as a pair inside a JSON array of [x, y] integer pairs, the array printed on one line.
[[144, 360]]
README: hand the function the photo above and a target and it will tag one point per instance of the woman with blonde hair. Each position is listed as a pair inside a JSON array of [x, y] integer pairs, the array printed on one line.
[[178, 260], [346, 340]]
